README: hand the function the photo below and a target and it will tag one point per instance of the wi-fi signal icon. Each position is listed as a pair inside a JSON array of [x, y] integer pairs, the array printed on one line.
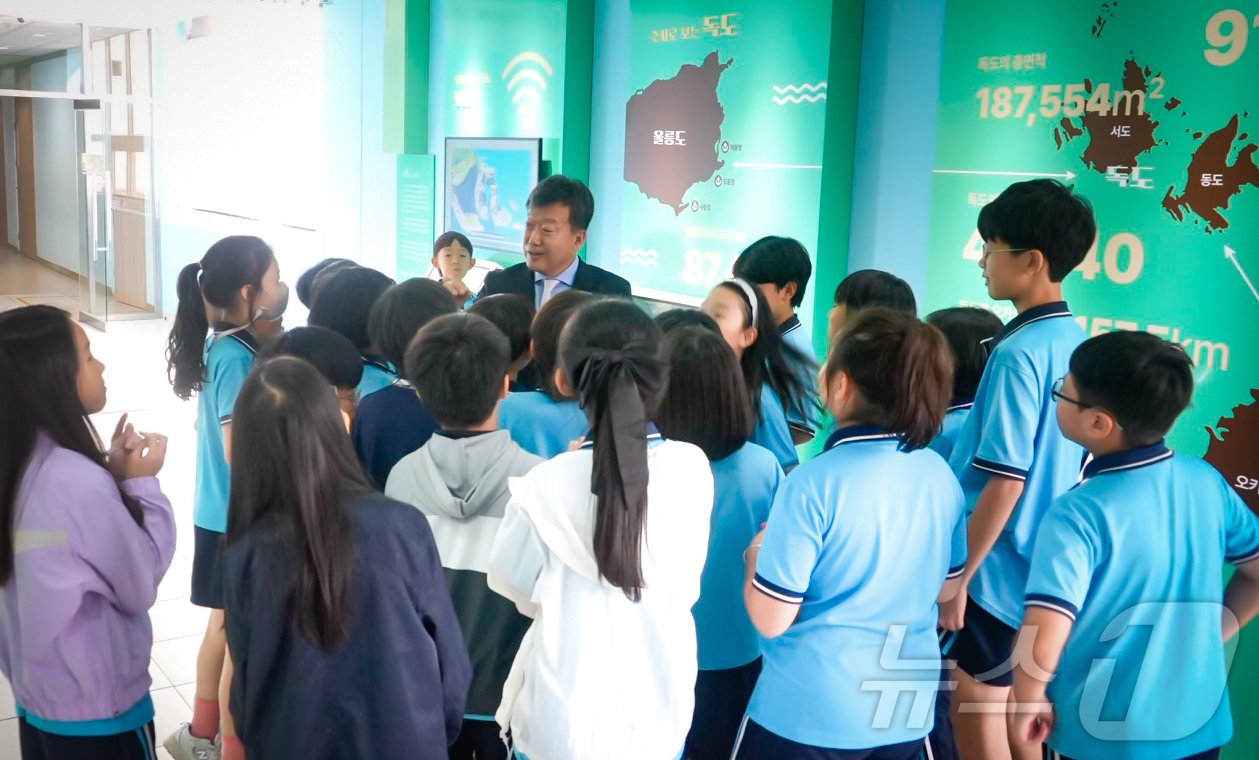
[[526, 76]]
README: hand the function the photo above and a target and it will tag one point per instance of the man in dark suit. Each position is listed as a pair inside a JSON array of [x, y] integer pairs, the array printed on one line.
[[560, 210]]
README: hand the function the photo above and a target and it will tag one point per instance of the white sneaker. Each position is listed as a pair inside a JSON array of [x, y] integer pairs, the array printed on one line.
[[182, 745]]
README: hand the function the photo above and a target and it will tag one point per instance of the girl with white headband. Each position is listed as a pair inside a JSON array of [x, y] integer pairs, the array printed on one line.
[[740, 310]]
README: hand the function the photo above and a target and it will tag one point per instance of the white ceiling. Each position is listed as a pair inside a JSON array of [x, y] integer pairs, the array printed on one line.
[[20, 41]]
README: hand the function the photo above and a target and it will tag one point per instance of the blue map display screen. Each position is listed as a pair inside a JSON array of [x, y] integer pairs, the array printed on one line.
[[487, 184]]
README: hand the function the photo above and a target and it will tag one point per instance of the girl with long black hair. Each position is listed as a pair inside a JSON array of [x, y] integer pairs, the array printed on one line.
[[85, 538], [769, 364], [229, 302], [341, 629], [603, 547]]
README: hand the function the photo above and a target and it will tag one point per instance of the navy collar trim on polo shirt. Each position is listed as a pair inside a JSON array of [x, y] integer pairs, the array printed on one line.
[[245, 337], [858, 433], [960, 402], [379, 362], [1130, 459], [792, 323], [1051, 310]]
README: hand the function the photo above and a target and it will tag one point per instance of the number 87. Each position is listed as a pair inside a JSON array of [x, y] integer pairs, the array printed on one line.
[[1234, 43]]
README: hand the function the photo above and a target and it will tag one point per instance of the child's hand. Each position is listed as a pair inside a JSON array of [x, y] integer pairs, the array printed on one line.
[[124, 439], [146, 459], [457, 289], [577, 444], [953, 612], [1031, 721]]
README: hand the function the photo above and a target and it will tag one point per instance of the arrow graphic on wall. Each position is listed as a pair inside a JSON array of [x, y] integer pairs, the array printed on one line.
[[1068, 176], [1231, 255]]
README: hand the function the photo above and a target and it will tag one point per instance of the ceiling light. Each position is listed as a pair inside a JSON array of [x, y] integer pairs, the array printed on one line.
[[39, 35]]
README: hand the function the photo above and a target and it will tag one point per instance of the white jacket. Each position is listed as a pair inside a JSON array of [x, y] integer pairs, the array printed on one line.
[[598, 675]]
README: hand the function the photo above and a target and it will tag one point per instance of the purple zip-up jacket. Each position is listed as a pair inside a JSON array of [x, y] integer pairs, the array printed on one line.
[[75, 637]]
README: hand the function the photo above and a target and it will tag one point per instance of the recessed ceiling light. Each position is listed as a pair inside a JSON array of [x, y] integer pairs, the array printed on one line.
[[39, 35], [4, 48]]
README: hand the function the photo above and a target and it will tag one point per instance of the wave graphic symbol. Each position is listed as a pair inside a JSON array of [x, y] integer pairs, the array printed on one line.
[[784, 100], [799, 88], [526, 76], [648, 257]]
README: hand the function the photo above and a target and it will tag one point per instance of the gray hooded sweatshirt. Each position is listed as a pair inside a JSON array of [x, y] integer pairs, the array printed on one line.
[[459, 482]]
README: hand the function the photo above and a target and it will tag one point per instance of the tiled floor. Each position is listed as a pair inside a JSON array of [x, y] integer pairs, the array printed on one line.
[[135, 374]]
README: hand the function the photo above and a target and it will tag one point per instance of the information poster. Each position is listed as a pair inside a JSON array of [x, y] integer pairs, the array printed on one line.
[[724, 123], [1151, 110], [415, 215]]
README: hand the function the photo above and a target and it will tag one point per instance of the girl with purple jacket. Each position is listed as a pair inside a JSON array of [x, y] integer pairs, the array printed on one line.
[[85, 538]]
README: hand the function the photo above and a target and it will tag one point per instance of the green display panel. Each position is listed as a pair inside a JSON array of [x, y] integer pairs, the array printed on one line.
[[415, 215], [724, 127], [1150, 110], [503, 63]]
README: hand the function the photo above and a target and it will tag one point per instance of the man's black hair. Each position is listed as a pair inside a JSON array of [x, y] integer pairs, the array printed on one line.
[[572, 193]]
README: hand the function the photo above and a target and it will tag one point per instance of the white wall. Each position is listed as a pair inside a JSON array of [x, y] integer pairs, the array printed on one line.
[[240, 131], [10, 169], [240, 112], [56, 165]]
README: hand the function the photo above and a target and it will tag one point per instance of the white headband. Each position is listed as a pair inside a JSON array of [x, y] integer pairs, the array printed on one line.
[[748, 290]]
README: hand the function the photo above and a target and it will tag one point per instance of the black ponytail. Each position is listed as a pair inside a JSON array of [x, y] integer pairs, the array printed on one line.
[[216, 280], [903, 368], [611, 356]]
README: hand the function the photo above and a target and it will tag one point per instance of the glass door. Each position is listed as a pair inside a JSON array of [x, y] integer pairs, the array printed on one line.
[[96, 215]]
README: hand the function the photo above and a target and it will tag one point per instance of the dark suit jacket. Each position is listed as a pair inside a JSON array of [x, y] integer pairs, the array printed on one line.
[[518, 279]]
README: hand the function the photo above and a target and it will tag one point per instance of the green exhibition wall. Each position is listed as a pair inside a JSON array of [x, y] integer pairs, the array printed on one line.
[[1149, 110]]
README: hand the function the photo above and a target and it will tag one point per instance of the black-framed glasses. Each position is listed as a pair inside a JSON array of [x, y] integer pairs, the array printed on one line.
[[1058, 394], [986, 251]]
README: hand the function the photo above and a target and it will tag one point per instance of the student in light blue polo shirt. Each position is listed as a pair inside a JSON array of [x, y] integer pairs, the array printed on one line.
[[1010, 457], [707, 404], [236, 289], [546, 422], [1124, 600], [968, 330], [781, 268], [743, 316], [843, 582], [343, 303]]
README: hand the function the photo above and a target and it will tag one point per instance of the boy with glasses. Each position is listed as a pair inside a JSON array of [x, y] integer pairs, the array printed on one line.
[[1010, 457], [1127, 566]]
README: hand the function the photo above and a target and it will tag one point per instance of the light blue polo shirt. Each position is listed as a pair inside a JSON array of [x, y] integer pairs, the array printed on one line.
[[228, 360], [954, 417], [541, 425], [744, 486], [772, 430], [1133, 556], [1013, 431], [378, 374], [807, 416], [860, 537]]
